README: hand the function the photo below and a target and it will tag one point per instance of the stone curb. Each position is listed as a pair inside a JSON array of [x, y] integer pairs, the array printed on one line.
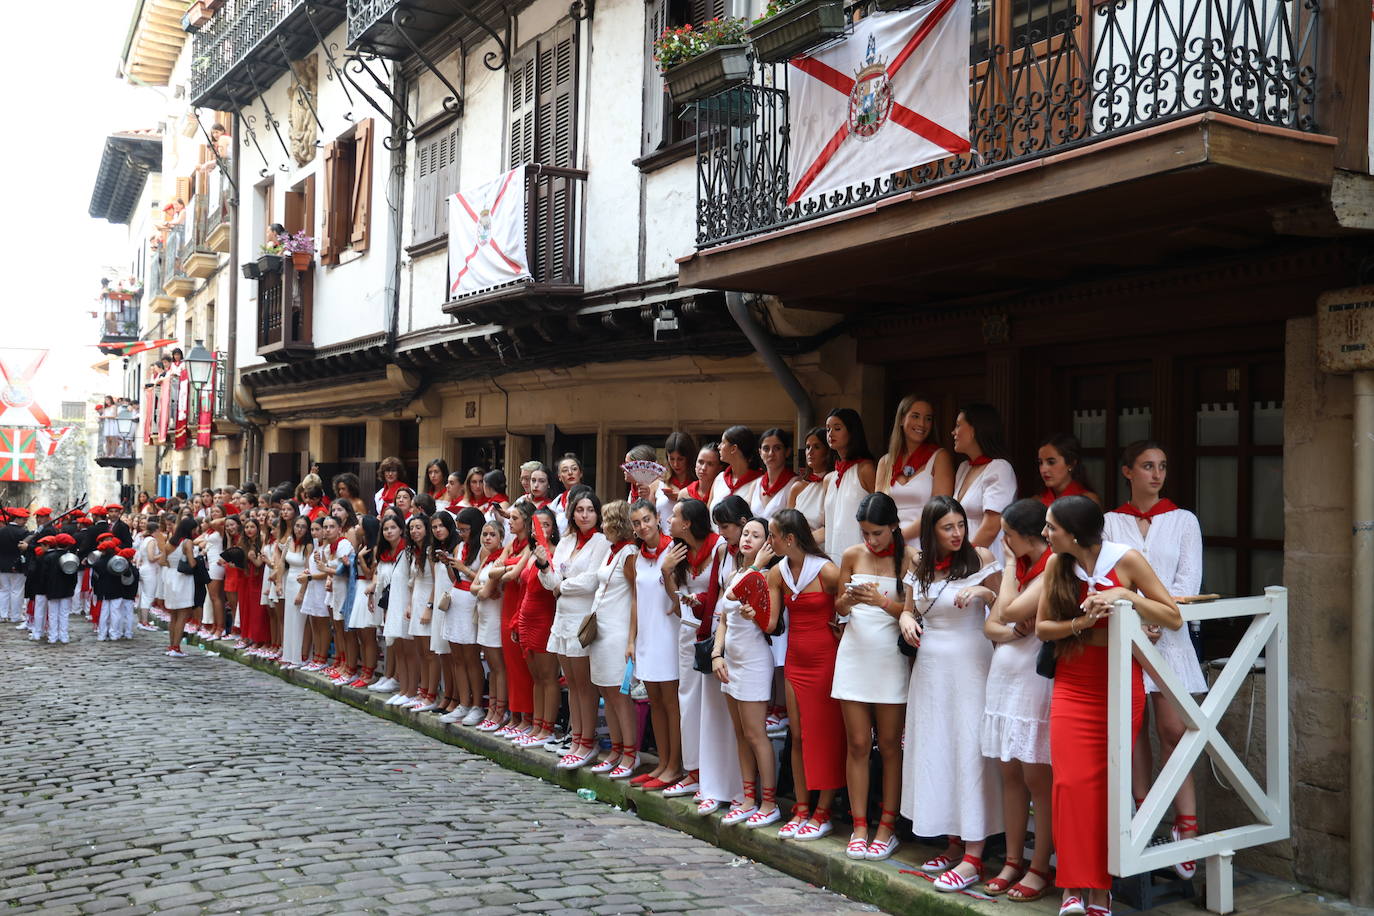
[[820, 862]]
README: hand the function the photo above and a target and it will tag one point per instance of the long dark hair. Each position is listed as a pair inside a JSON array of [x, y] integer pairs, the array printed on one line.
[[1026, 517], [186, 528], [474, 519], [819, 433], [963, 562], [449, 542], [419, 553], [732, 510], [698, 519], [442, 465], [793, 522], [858, 439], [743, 438], [880, 509], [577, 493], [1071, 450], [553, 528], [1082, 518], [372, 533], [987, 428]]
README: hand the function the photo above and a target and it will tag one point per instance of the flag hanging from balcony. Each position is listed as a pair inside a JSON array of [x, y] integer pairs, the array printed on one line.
[[205, 418], [51, 436], [181, 431], [17, 403], [486, 235], [18, 454], [893, 96]]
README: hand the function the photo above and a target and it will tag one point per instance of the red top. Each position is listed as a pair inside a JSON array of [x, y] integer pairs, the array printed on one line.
[[1048, 496]]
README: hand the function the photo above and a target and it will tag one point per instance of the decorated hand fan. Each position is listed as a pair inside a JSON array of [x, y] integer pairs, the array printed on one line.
[[540, 537], [753, 591], [644, 472]]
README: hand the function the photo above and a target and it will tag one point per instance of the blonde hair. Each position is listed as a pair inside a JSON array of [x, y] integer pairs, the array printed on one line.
[[896, 442], [615, 520]]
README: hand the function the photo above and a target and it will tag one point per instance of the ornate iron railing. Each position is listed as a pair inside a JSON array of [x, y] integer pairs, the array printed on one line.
[[237, 29], [119, 316], [1041, 79], [363, 14], [285, 303]]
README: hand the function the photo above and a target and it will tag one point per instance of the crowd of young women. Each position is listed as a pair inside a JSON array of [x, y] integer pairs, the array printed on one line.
[[735, 588]]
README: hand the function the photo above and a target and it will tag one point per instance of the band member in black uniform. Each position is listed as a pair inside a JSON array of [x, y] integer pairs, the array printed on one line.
[[12, 534]]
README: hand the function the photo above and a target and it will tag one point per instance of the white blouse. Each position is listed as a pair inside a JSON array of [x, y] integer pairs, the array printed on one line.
[[1172, 545], [991, 491]]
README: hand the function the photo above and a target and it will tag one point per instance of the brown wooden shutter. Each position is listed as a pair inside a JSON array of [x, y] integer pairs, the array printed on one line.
[[184, 189], [294, 211], [329, 252], [361, 208], [308, 217], [699, 11], [522, 102]]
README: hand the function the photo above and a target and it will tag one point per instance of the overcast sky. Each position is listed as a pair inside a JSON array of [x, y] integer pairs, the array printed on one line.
[[63, 99]]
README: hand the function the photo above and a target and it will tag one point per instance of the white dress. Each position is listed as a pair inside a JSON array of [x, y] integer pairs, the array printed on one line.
[[811, 503], [488, 611], [948, 786], [991, 491], [147, 572], [721, 489], [314, 604], [178, 588], [574, 577], [214, 546], [765, 506], [612, 608], [1016, 714], [338, 589], [656, 630], [842, 498], [460, 620], [748, 656], [869, 668], [911, 497], [1172, 545], [293, 618], [422, 592], [395, 625], [708, 735], [366, 614]]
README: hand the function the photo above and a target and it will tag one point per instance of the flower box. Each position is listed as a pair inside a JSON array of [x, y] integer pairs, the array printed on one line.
[[733, 107], [269, 263], [250, 270], [797, 28], [301, 260], [708, 73], [196, 17], [201, 264]]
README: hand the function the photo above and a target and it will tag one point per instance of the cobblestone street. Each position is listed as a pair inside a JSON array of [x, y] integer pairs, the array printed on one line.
[[134, 783]]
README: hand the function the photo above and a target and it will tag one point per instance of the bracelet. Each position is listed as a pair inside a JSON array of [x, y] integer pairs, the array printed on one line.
[[1073, 626], [717, 658]]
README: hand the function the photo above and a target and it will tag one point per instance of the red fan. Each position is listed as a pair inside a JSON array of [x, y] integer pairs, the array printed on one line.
[[753, 591], [540, 537]]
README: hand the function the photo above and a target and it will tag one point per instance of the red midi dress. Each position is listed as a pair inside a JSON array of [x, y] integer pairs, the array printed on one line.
[[1078, 747], [538, 606], [810, 669], [519, 684], [253, 625]]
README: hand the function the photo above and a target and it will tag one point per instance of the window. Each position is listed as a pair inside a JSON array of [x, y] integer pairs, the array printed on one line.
[[543, 100], [347, 209], [663, 125], [299, 213], [74, 410], [436, 179]]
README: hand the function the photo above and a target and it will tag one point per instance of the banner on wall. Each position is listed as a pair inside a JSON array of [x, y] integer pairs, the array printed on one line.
[[18, 406], [486, 235], [18, 454]]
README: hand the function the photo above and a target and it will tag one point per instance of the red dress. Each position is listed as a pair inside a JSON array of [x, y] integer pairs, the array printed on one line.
[[1078, 747], [537, 608], [810, 669], [519, 684], [253, 624]]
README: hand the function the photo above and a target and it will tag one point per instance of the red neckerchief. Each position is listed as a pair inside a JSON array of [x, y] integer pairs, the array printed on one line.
[[653, 553], [696, 563], [389, 492], [980, 461], [537, 504], [387, 555], [1159, 508], [678, 484], [1025, 572], [706, 602], [882, 553], [841, 466], [316, 511], [615, 550], [496, 500], [813, 478], [334, 546], [942, 565], [746, 478], [918, 459], [694, 491], [583, 537], [489, 557], [439, 494], [771, 490], [562, 501], [1048, 496]]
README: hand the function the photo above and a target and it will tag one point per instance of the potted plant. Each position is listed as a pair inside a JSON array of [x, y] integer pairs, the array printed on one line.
[[196, 16], [301, 247], [269, 258], [789, 27], [697, 62], [250, 271]]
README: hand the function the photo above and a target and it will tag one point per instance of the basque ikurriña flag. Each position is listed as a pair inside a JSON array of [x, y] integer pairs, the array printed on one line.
[[18, 454], [893, 96], [486, 235]]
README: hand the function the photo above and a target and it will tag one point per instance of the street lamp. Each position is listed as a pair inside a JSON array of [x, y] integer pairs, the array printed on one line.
[[124, 422], [200, 361]]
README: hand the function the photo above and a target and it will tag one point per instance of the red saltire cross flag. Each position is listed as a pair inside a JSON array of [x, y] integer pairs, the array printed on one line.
[[894, 95], [486, 234], [16, 397], [51, 437], [18, 454]]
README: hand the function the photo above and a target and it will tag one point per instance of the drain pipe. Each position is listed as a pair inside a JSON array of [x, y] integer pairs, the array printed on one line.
[[739, 308], [1362, 647]]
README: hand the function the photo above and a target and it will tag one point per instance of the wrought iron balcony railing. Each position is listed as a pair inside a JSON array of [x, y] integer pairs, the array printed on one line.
[[246, 47], [116, 446], [1041, 79], [364, 14], [285, 306], [118, 317]]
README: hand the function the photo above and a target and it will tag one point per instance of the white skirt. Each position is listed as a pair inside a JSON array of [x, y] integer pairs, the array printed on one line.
[[1016, 714], [607, 651], [394, 626], [216, 570], [434, 629], [869, 668], [365, 614], [460, 620], [748, 659], [178, 589], [1178, 653], [489, 623], [656, 641]]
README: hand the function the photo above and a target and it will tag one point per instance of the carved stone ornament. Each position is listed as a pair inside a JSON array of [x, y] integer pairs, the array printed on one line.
[[303, 129], [996, 328]]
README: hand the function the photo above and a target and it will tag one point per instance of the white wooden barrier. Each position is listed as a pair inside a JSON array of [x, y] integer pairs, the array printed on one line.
[[1128, 837]]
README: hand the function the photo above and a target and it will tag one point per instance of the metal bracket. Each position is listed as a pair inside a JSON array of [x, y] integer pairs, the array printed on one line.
[[330, 50], [582, 10], [491, 59], [453, 103], [399, 133], [306, 93], [219, 160], [248, 122], [271, 119]]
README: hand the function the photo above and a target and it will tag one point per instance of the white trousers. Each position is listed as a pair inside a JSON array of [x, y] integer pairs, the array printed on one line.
[[50, 617], [689, 698], [116, 619], [11, 596]]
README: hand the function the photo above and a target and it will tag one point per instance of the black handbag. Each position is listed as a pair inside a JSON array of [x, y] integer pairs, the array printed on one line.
[[1045, 661], [186, 567], [385, 598], [905, 647], [702, 650]]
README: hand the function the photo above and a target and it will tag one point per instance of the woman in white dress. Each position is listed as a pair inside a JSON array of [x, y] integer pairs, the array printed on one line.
[[420, 615], [871, 673], [178, 588], [443, 544], [149, 556], [213, 545], [362, 619], [915, 467], [807, 493], [295, 556], [708, 468], [461, 620], [743, 662], [985, 483], [739, 453], [489, 626], [614, 608], [948, 786], [770, 497], [314, 600], [338, 562], [1016, 716], [655, 644], [572, 576], [679, 453], [853, 478], [395, 623], [692, 571], [1170, 539]]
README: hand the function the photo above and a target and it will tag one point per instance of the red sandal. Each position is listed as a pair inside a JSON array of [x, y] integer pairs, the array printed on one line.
[[952, 881], [1019, 893], [998, 886]]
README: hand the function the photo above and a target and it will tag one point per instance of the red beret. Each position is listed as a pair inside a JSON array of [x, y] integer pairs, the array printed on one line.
[[64, 540], [104, 543], [17, 512], [97, 510], [161, 500], [114, 507], [46, 540], [43, 511], [127, 553]]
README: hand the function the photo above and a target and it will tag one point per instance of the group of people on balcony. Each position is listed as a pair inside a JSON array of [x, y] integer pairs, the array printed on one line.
[[857, 602]]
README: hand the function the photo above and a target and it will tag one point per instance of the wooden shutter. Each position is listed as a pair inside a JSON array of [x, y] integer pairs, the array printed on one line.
[[308, 199], [556, 123], [445, 179], [522, 101], [361, 208], [423, 207], [656, 103], [184, 189], [329, 252], [294, 211], [699, 11]]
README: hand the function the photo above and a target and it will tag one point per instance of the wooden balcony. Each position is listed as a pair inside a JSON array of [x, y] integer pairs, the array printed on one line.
[[286, 300]]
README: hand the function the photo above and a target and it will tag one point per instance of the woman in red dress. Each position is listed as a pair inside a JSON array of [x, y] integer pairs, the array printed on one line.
[[519, 685], [818, 735], [1082, 580], [255, 628], [533, 623], [1061, 469]]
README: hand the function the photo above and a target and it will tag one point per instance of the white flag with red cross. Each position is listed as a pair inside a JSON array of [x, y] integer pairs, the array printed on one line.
[[893, 96], [486, 235]]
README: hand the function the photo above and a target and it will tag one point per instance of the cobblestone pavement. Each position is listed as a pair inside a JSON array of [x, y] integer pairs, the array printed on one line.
[[134, 783]]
